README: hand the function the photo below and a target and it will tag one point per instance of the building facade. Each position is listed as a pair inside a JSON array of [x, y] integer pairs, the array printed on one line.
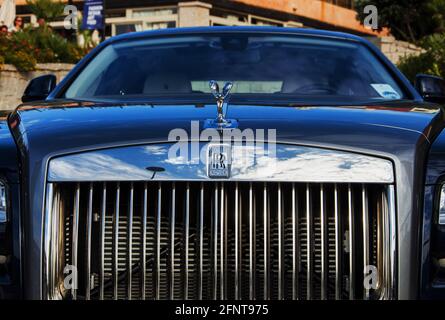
[[138, 15]]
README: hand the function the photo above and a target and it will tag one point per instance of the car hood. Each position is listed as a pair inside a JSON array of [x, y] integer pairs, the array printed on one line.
[[400, 132], [64, 126]]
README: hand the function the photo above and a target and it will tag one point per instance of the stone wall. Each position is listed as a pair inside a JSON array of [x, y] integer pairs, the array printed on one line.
[[13, 83], [395, 49]]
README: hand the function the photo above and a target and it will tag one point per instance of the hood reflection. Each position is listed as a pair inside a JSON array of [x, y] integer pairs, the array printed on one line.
[[285, 163]]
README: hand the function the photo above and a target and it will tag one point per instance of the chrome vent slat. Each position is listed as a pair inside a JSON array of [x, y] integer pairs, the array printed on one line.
[[186, 242], [172, 242], [222, 258], [116, 226], [338, 244], [295, 260], [280, 244], [88, 245], [251, 245], [365, 223], [324, 245], [265, 243], [102, 241], [130, 243], [308, 243], [351, 239], [144, 242], [201, 240], [223, 240], [237, 244], [157, 272], [75, 238], [215, 241]]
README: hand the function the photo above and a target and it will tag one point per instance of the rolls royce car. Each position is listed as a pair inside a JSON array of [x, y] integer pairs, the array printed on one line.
[[225, 163]]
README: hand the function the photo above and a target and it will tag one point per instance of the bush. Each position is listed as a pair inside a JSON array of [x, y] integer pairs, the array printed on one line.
[[26, 48], [18, 52], [431, 61]]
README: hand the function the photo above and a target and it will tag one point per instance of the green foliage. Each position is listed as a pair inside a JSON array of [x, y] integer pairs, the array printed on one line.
[[17, 51], [408, 20], [30, 46], [46, 9], [431, 61], [41, 45], [417, 21]]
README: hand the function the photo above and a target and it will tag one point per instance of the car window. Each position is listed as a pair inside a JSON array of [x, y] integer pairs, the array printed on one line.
[[266, 65]]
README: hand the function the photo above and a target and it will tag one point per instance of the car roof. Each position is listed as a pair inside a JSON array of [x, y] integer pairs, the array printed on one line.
[[236, 29]]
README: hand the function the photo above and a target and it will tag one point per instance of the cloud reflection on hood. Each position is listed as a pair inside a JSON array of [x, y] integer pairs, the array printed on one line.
[[282, 163]]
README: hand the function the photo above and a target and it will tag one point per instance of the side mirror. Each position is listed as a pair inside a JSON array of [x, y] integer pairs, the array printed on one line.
[[431, 88], [39, 88]]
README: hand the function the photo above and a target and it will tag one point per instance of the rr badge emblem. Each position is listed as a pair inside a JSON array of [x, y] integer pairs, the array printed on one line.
[[219, 161]]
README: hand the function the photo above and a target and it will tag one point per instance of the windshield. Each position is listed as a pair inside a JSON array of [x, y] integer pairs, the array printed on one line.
[[266, 65]]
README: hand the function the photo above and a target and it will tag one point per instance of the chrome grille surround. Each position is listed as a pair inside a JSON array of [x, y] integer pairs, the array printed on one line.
[[274, 235]]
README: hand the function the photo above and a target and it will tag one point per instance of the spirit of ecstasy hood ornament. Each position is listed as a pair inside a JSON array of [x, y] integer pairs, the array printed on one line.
[[221, 97]]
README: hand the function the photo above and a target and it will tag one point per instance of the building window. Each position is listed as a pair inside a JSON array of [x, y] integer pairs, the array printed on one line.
[[154, 12], [227, 18], [144, 19], [263, 22]]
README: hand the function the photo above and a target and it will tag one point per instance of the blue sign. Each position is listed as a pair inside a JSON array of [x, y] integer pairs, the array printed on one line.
[[93, 15]]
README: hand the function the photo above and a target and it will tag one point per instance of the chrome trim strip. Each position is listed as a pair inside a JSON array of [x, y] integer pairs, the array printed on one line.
[[226, 245], [130, 242], [221, 242], [390, 234], [215, 242], [365, 226], [251, 245], [295, 251], [172, 243], [280, 244], [158, 244], [144, 242], [186, 241], [324, 245], [309, 243], [201, 239], [237, 244], [338, 244], [266, 242], [116, 243], [351, 244], [75, 239], [49, 247], [88, 240], [286, 163], [102, 241]]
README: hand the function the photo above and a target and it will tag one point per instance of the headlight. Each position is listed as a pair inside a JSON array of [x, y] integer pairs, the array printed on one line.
[[442, 206], [3, 203]]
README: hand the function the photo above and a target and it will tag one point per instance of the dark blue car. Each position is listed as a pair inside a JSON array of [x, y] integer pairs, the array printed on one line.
[[225, 163]]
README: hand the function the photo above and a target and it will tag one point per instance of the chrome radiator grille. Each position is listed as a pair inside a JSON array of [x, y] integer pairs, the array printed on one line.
[[219, 240]]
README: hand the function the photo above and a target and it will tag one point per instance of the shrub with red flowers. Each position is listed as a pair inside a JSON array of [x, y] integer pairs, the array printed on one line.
[[30, 46]]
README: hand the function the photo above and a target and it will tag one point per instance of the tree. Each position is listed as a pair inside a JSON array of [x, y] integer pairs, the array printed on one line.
[[431, 61], [408, 20], [47, 10]]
